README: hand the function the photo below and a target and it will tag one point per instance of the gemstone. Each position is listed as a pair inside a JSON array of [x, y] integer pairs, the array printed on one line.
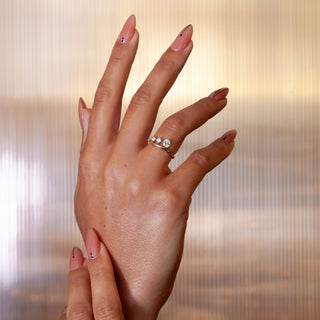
[[166, 143], [153, 139], [159, 140]]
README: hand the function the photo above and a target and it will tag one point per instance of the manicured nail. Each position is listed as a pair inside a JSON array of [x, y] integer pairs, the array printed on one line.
[[76, 259], [183, 39], [229, 136], [64, 311], [128, 30], [81, 106], [219, 94], [92, 244]]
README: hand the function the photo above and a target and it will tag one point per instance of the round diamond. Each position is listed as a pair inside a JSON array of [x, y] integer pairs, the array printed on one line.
[[166, 143], [159, 140], [153, 139]]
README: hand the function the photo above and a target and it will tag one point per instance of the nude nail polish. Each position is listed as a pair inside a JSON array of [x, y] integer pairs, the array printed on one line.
[[229, 136], [64, 311], [183, 39], [92, 244], [219, 94], [128, 30], [81, 106], [76, 259]]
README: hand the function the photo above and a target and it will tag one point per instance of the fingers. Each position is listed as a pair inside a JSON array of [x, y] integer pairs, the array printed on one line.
[[189, 174], [143, 108], [105, 117], [79, 294], [179, 125], [84, 117], [105, 298], [92, 292]]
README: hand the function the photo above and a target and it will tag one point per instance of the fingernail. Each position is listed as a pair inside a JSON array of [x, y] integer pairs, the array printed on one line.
[[64, 311], [76, 259], [229, 136], [219, 94], [183, 39], [128, 30], [92, 244], [81, 106]]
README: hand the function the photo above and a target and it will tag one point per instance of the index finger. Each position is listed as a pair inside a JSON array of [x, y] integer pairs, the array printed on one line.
[[105, 298], [106, 111]]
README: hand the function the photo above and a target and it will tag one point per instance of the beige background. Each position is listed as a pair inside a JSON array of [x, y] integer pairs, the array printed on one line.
[[252, 247]]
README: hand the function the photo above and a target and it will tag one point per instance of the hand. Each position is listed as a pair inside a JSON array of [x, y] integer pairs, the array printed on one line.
[[125, 188], [93, 291]]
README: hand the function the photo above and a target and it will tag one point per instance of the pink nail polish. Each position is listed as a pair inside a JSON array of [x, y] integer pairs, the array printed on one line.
[[183, 39], [64, 311], [229, 136], [92, 244], [219, 94], [128, 30], [81, 106], [76, 259]]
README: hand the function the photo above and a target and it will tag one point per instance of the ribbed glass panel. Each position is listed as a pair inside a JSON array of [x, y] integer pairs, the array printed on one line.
[[253, 244]]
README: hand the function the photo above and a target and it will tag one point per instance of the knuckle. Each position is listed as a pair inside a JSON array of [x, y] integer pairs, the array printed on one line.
[[175, 123], [134, 187], [142, 96], [201, 157], [206, 103], [103, 93], [107, 310], [78, 312], [166, 63], [168, 199]]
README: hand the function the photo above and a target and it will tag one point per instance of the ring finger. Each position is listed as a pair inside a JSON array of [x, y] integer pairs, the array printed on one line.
[[179, 125]]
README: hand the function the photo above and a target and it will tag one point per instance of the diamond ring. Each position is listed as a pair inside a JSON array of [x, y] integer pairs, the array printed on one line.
[[162, 144]]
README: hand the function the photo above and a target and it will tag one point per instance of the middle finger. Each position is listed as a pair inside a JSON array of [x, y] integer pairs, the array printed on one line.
[[142, 111]]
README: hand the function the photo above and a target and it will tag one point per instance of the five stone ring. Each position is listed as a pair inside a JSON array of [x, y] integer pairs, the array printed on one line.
[[162, 144]]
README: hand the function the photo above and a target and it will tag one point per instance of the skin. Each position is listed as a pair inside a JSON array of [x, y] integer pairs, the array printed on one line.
[[125, 189], [92, 293]]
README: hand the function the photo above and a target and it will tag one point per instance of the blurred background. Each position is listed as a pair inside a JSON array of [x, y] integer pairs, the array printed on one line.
[[253, 245]]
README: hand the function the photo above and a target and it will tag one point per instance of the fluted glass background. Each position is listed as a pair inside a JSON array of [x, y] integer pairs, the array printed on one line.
[[252, 247]]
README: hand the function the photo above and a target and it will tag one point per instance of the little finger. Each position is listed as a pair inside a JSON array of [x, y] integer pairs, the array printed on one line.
[[190, 173]]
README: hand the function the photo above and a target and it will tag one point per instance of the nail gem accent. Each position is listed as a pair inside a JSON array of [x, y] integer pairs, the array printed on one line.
[[229, 136], [92, 244], [183, 39], [128, 30], [76, 259], [219, 94]]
